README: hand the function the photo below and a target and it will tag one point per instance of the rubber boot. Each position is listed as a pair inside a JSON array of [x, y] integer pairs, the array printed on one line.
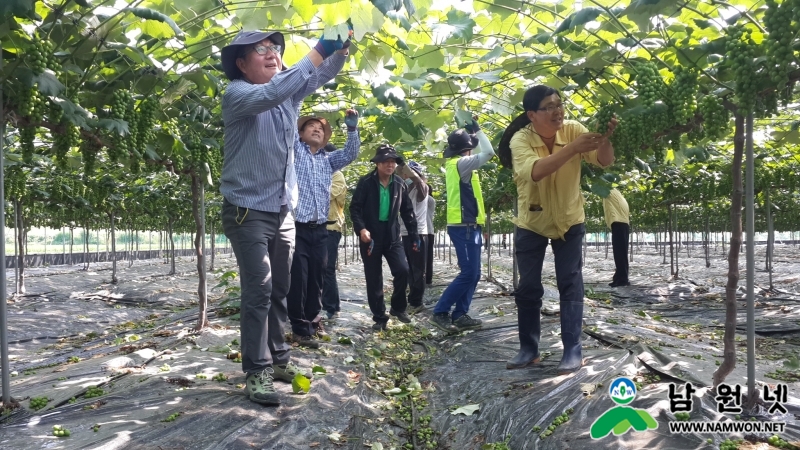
[[529, 321], [571, 330]]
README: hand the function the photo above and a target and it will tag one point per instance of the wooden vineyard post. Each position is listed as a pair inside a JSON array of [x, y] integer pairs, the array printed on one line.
[[729, 344], [4, 357], [199, 213], [770, 237]]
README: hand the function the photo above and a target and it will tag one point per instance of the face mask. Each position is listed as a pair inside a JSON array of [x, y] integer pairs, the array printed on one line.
[[409, 181]]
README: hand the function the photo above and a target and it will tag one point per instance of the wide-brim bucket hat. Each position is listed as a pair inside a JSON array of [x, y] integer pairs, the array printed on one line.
[[326, 127], [458, 142], [231, 51], [385, 152], [416, 167]]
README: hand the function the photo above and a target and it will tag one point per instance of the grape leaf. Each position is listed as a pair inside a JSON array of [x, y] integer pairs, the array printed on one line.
[[366, 18], [578, 19], [150, 14], [301, 384], [467, 410]]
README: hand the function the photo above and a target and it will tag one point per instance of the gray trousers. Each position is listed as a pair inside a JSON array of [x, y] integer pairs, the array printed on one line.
[[263, 243]]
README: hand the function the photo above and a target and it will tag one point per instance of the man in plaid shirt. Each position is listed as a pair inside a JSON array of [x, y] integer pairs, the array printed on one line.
[[314, 167]]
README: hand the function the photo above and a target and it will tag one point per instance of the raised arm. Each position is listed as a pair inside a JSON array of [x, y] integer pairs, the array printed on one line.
[[322, 74], [349, 153], [243, 99], [467, 164]]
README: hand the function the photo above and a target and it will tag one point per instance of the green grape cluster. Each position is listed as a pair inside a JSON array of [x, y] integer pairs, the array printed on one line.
[[27, 136], [716, 118], [132, 117], [54, 112], [146, 123], [776, 441], [563, 418], [61, 146], [170, 127], [740, 51], [39, 56], [659, 150], [199, 152], [626, 137], [767, 105], [649, 83], [38, 403], [177, 164], [55, 188], [60, 431], [604, 115], [728, 444], [89, 149], [32, 104], [215, 160], [780, 55], [119, 110], [684, 94], [425, 433], [93, 391]]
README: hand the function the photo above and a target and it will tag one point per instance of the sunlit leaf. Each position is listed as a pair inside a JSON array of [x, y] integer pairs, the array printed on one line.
[[301, 384], [366, 18], [467, 410], [333, 12], [305, 9], [149, 14]]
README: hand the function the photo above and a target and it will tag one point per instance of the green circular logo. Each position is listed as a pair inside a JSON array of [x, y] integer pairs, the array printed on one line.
[[622, 391]]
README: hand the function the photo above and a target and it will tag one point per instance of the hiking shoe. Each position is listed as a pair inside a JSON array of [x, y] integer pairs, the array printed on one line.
[[466, 322], [306, 341], [443, 322], [259, 387], [379, 326], [402, 317], [332, 315], [286, 372], [413, 309]]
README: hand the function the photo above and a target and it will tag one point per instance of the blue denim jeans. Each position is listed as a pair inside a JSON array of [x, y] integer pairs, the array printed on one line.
[[467, 241]]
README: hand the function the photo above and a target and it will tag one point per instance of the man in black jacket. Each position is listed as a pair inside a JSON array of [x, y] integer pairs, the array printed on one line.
[[378, 199]]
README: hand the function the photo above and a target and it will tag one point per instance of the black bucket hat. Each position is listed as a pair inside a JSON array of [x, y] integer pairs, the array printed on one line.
[[231, 51], [384, 152], [458, 142]]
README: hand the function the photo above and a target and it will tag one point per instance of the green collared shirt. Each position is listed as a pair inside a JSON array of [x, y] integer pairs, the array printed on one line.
[[386, 195]]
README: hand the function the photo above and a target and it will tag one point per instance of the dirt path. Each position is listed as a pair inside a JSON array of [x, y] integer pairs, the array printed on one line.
[[164, 386]]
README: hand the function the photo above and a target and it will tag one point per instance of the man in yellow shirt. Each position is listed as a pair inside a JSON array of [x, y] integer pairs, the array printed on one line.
[[330, 288], [615, 208], [545, 152]]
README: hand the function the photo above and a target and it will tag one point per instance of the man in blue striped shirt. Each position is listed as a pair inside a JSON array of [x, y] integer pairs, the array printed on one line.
[[315, 169], [260, 108]]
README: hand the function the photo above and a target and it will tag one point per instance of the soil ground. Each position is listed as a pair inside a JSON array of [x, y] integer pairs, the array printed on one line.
[[74, 330]]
